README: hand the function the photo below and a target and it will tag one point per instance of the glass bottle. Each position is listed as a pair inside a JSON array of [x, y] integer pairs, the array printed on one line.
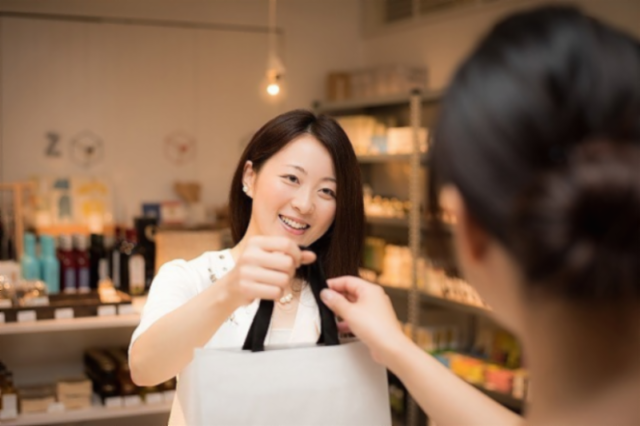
[[136, 265], [97, 252], [29, 262], [50, 266], [81, 255], [68, 267]]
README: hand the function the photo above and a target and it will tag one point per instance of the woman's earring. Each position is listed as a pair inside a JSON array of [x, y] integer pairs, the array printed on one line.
[[245, 189]]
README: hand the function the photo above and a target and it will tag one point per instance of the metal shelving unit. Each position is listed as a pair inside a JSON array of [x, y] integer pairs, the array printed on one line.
[[96, 412], [415, 225]]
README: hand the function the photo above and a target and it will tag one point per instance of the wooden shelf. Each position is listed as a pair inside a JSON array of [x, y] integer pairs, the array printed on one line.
[[440, 301], [454, 305], [387, 158], [404, 223], [87, 323], [374, 102], [97, 412]]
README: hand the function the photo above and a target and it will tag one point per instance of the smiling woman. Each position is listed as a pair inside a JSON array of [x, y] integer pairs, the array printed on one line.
[[297, 184]]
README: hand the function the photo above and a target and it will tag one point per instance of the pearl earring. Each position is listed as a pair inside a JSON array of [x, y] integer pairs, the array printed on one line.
[[245, 189]]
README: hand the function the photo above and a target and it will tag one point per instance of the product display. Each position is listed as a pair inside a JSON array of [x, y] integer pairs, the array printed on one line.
[[108, 377]]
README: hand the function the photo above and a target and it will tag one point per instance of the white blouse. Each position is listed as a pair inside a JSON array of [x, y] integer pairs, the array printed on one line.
[[178, 281]]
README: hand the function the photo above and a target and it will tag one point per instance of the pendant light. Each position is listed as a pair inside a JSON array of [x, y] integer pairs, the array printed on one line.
[[275, 68]]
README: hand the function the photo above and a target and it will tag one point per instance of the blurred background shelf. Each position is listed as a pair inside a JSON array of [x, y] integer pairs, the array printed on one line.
[[86, 323], [386, 158], [374, 102], [97, 412], [428, 299]]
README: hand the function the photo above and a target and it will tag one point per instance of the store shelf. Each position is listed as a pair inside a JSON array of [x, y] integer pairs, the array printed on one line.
[[404, 223], [452, 304], [93, 413], [375, 102], [387, 158], [87, 323], [502, 398], [439, 301]]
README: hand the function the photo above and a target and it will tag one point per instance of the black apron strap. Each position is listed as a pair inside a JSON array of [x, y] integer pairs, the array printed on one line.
[[314, 275]]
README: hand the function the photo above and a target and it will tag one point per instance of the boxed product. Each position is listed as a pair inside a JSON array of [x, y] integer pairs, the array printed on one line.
[[36, 399], [74, 393]]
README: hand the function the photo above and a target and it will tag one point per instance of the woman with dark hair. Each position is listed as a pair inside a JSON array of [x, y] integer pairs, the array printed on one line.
[[538, 150], [297, 185]]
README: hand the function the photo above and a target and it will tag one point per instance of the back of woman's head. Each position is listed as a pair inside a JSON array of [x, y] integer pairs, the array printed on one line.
[[340, 248], [540, 132]]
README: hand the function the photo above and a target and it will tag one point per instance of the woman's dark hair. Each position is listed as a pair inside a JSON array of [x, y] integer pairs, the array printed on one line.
[[339, 249], [540, 132]]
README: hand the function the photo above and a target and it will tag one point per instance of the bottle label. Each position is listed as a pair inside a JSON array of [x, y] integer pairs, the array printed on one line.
[[83, 280], [70, 280], [136, 274], [9, 402]]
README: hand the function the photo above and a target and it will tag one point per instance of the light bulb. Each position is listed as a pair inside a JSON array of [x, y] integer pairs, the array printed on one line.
[[273, 89]]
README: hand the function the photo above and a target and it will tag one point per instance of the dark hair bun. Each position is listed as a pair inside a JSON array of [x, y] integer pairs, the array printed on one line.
[[576, 230]]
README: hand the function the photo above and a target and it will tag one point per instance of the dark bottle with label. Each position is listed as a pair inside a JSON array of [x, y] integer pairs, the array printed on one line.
[[114, 259], [126, 386], [68, 267], [81, 254], [97, 253], [146, 229], [136, 265], [102, 372], [124, 252]]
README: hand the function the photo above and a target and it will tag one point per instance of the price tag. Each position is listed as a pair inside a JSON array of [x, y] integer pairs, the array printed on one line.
[[132, 401], [113, 402], [2, 318], [56, 407], [27, 316], [106, 311], [154, 398], [169, 395], [36, 301], [63, 313], [126, 309]]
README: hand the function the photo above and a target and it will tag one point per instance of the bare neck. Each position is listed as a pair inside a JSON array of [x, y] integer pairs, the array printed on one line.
[[585, 365]]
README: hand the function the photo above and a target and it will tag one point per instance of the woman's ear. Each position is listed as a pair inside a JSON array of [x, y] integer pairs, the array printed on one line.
[[472, 239], [248, 179]]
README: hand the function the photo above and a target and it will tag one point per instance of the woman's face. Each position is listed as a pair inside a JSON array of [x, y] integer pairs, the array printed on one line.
[[294, 193]]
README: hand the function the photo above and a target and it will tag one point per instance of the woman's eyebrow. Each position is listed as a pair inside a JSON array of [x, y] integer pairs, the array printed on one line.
[[302, 170]]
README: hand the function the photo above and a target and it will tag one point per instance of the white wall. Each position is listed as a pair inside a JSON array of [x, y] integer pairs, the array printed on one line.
[[440, 43], [134, 85]]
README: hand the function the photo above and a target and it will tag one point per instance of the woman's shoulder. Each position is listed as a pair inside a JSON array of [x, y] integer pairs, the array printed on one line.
[[199, 268]]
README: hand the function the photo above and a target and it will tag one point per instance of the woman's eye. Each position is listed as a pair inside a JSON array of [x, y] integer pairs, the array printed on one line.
[[291, 178], [329, 192]]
